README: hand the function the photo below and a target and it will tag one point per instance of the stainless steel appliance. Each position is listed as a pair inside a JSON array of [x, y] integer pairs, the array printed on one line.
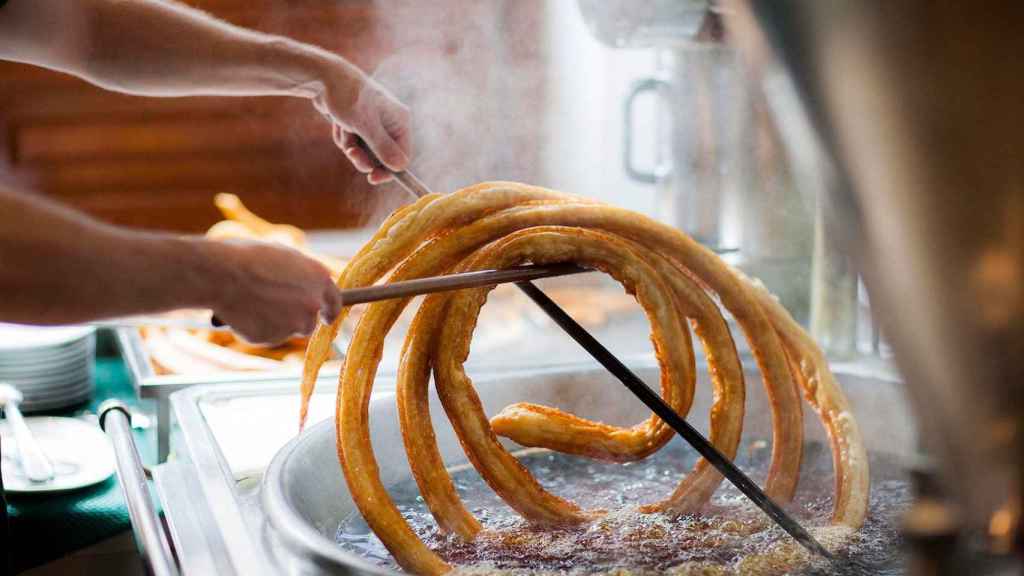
[[227, 516], [914, 111], [720, 172]]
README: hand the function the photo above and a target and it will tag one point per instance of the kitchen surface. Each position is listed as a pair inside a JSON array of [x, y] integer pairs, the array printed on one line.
[[510, 287]]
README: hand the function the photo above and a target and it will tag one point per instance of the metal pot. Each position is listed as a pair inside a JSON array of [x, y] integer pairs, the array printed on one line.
[[643, 23], [305, 496], [720, 173]]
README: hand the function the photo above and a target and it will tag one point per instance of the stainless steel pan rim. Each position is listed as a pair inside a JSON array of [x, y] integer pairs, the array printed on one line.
[[300, 536], [587, 387]]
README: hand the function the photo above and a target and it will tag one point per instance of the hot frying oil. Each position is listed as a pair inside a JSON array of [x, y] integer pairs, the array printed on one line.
[[728, 536]]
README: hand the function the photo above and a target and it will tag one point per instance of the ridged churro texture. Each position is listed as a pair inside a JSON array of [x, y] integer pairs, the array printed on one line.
[[675, 280]]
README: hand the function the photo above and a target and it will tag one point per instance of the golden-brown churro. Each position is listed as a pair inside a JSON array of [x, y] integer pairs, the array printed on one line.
[[500, 224]]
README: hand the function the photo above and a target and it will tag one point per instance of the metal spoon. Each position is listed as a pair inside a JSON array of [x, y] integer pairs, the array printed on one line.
[[34, 462]]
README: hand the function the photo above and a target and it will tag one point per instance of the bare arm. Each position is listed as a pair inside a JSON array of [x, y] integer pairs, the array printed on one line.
[[163, 48], [58, 266]]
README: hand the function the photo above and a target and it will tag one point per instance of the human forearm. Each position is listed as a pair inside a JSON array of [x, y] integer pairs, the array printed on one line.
[[161, 48], [168, 49], [58, 266]]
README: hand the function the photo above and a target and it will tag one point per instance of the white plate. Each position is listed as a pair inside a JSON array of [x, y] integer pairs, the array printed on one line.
[[51, 405], [47, 355], [31, 398], [48, 382], [60, 404], [80, 453], [44, 372], [65, 397], [69, 355], [57, 387], [24, 361], [21, 337], [53, 371], [8, 353], [47, 363], [57, 393], [13, 346]]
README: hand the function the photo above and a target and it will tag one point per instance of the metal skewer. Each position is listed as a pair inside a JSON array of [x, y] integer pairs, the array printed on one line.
[[411, 183], [353, 296], [180, 323], [651, 399]]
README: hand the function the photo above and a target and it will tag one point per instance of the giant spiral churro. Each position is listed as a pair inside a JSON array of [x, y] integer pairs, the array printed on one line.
[[501, 224]]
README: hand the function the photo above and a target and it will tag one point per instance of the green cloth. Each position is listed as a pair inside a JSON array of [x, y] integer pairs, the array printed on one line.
[[47, 527]]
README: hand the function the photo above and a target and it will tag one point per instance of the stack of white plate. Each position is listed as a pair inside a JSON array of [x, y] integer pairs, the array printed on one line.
[[51, 366]]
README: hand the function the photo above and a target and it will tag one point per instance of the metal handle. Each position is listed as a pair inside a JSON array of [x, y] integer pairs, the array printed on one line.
[[638, 88], [407, 180], [149, 535], [411, 183]]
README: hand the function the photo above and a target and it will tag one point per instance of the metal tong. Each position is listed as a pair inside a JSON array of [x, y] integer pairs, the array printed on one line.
[[650, 398], [353, 296]]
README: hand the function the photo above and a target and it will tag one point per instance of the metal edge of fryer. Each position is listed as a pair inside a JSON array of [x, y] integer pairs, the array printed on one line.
[[308, 544], [213, 502]]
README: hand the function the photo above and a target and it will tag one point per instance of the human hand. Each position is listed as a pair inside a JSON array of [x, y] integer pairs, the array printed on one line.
[[366, 118], [268, 293]]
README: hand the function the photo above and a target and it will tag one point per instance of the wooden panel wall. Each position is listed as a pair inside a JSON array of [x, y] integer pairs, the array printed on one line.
[[156, 163]]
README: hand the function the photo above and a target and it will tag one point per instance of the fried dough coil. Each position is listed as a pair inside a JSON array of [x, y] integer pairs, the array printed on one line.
[[502, 224]]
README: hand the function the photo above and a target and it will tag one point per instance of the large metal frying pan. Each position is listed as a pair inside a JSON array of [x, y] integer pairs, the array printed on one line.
[[306, 498]]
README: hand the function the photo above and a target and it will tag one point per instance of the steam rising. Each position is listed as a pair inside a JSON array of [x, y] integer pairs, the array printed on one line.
[[510, 91], [472, 73], [498, 91]]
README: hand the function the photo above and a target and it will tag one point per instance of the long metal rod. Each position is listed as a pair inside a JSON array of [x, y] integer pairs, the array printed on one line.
[[156, 321], [651, 399], [149, 534], [351, 296], [411, 183]]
